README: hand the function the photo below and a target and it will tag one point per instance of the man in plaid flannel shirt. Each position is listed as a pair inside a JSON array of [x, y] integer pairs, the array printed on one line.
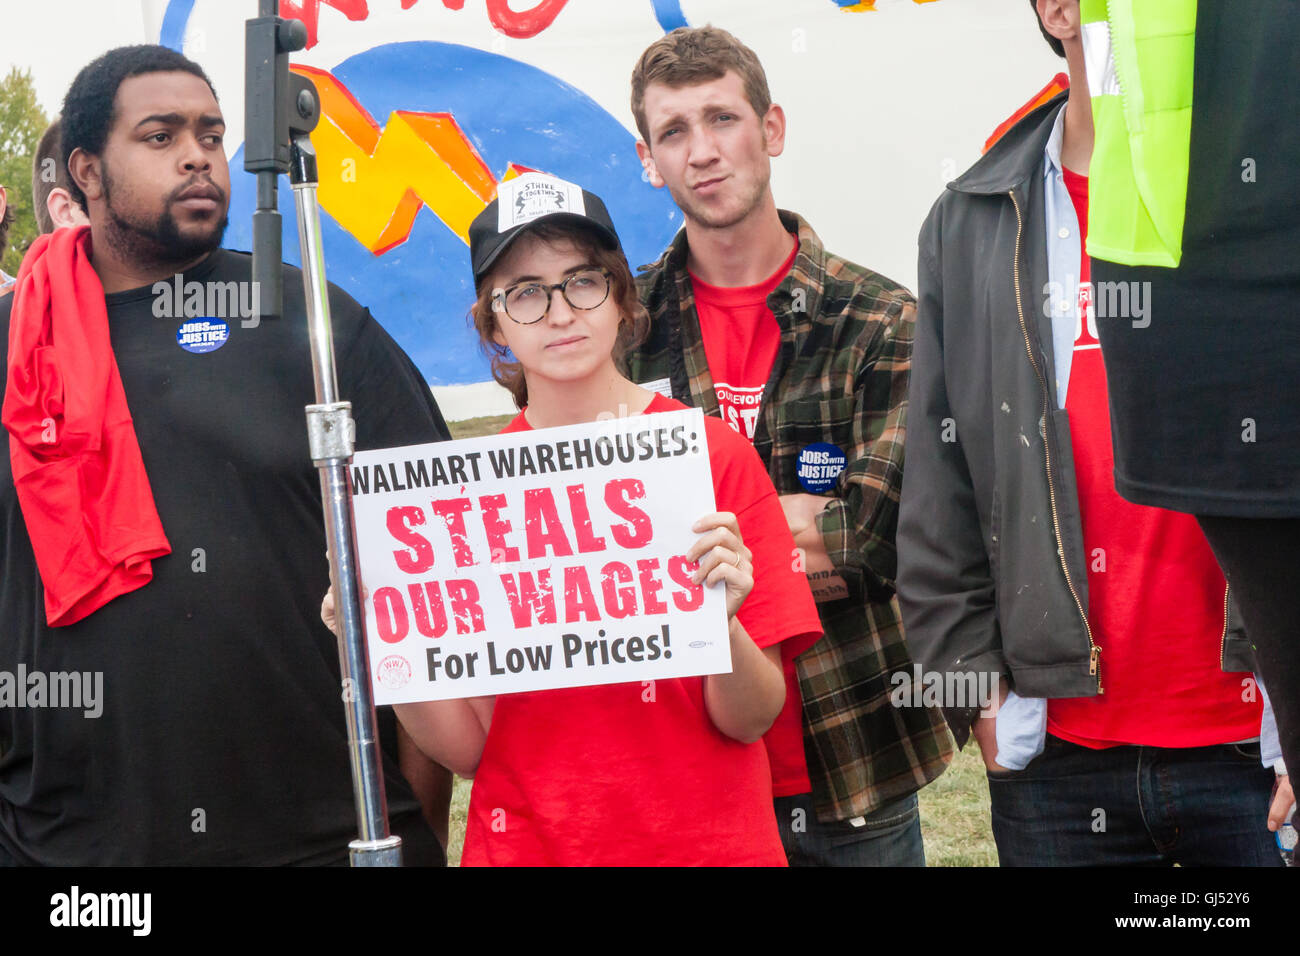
[[808, 355]]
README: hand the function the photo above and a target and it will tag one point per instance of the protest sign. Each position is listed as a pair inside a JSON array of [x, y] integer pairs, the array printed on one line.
[[539, 559]]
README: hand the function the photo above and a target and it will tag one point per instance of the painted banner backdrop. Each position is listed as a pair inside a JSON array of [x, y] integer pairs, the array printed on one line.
[[430, 103]]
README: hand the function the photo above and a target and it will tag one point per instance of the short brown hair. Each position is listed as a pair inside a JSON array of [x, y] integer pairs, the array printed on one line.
[[1057, 46], [48, 154], [634, 321], [691, 55]]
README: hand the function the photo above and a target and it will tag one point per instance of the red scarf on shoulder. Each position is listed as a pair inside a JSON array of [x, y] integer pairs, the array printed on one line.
[[76, 463]]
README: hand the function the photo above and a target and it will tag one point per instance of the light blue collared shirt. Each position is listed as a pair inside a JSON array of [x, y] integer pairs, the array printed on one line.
[[1064, 252]]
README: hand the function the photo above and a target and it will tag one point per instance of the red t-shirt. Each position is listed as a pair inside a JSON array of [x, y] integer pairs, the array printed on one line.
[[1155, 592], [741, 339], [637, 774]]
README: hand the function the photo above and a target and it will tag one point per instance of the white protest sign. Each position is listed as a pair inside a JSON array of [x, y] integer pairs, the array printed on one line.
[[539, 559]]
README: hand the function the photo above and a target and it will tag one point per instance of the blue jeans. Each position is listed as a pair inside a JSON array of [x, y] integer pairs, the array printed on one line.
[[891, 835], [1134, 806]]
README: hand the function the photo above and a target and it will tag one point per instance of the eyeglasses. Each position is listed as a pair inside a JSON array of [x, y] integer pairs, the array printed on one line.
[[528, 302]]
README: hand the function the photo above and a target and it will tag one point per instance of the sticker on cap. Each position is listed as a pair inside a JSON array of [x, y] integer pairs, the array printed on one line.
[[663, 386], [202, 335], [819, 466], [534, 195]]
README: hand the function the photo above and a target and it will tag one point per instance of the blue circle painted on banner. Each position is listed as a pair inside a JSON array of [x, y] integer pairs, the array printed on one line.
[[202, 335], [509, 111], [819, 466]]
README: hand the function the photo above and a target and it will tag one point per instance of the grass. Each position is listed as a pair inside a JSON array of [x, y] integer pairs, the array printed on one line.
[[954, 809], [474, 427], [955, 815], [456, 827]]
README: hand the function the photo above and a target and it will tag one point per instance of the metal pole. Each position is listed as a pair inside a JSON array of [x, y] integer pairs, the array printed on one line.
[[281, 111], [330, 435]]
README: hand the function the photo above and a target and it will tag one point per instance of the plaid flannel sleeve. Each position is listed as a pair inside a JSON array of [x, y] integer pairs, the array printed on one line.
[[859, 524]]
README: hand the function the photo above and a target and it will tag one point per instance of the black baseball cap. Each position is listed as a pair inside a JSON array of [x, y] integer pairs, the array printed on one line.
[[527, 199]]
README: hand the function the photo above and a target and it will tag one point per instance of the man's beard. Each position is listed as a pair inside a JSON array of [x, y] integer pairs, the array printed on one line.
[[160, 243]]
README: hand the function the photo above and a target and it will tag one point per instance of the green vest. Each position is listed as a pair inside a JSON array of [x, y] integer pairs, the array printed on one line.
[[1140, 58]]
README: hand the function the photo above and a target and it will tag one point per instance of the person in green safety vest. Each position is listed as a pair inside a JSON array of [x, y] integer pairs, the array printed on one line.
[[1195, 214]]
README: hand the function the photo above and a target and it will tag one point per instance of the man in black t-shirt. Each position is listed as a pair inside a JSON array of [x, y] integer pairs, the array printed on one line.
[[216, 734]]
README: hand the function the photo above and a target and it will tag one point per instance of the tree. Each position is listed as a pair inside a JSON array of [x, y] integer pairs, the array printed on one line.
[[21, 124]]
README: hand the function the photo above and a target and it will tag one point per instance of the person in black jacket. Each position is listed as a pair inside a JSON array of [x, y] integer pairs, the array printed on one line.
[[1017, 558]]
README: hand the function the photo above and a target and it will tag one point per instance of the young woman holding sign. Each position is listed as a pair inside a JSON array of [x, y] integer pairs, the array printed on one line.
[[666, 772]]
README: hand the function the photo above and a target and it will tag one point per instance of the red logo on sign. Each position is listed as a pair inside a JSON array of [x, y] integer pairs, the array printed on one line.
[[394, 672]]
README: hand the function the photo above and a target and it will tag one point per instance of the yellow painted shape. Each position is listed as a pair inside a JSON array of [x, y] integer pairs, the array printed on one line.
[[443, 134], [870, 5], [373, 182]]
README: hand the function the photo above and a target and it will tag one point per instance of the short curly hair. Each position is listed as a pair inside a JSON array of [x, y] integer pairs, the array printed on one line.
[[88, 114]]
